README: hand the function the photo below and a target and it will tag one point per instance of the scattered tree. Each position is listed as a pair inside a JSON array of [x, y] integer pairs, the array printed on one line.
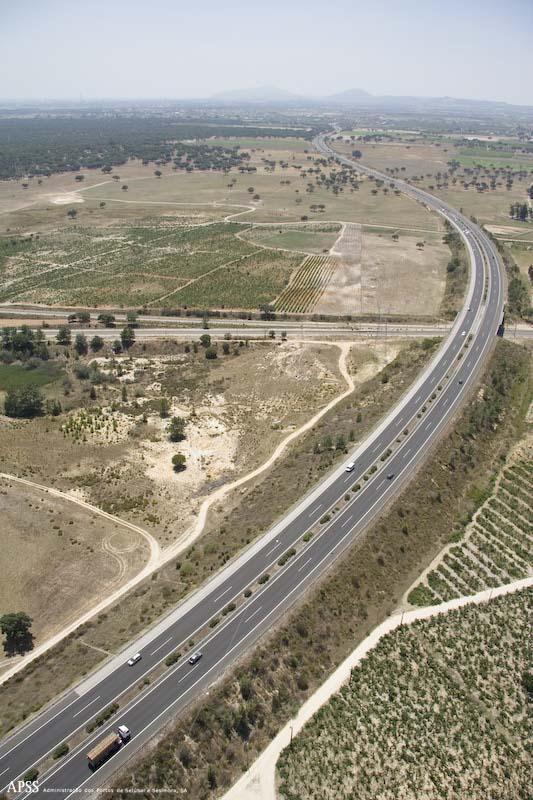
[[63, 335], [80, 344], [16, 628]]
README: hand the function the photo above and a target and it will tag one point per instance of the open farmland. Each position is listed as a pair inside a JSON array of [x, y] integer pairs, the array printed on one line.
[[174, 237], [437, 709], [301, 237], [495, 548], [484, 188], [136, 265]]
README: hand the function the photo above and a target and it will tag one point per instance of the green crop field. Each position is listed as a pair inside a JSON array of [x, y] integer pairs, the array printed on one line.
[[304, 238]]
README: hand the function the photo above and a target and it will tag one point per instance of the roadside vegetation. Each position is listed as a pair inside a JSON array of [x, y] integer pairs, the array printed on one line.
[[210, 746], [438, 708]]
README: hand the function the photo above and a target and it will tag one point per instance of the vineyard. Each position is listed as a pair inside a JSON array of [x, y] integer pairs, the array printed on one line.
[[308, 285], [438, 709], [494, 549]]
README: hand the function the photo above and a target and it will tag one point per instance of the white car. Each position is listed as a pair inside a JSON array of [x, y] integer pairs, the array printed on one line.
[[350, 467], [463, 333], [195, 658], [134, 659]]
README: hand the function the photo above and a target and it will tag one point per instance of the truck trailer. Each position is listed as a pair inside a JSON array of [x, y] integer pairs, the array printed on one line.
[[103, 750]]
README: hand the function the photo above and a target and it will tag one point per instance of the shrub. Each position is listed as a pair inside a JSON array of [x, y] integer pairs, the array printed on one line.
[[61, 750]]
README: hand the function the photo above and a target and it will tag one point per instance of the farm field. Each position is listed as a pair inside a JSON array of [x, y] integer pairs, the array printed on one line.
[[371, 272], [308, 284], [495, 548], [58, 559], [137, 265], [437, 709]]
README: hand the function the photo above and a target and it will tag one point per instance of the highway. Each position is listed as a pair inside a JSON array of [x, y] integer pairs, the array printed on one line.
[[408, 431]]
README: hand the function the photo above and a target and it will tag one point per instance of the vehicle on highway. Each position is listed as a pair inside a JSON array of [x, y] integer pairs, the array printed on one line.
[[195, 658], [104, 749], [134, 659], [124, 733], [463, 333], [350, 467]]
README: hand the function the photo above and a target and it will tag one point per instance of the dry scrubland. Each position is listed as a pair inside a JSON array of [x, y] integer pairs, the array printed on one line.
[[437, 709], [58, 558], [164, 241], [211, 745], [114, 451]]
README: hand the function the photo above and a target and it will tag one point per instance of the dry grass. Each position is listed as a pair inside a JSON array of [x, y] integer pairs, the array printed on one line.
[[57, 558]]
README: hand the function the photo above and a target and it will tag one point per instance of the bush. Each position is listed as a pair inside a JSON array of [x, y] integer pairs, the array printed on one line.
[[211, 353], [178, 462], [61, 750], [172, 658]]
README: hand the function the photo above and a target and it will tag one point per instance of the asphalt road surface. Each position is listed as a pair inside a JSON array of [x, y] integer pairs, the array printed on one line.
[[408, 431]]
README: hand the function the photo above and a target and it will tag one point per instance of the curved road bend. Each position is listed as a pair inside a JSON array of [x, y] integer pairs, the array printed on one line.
[[181, 683]]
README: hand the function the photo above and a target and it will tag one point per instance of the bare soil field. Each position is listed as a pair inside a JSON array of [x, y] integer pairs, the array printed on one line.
[[379, 274], [58, 558]]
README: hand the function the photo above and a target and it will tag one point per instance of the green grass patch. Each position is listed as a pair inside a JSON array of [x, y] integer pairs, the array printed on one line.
[[13, 376]]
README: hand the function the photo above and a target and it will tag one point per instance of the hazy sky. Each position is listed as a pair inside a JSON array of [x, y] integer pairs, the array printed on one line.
[[169, 48]]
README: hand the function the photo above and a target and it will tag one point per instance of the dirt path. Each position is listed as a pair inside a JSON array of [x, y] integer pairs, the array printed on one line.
[[258, 783], [160, 557], [342, 295]]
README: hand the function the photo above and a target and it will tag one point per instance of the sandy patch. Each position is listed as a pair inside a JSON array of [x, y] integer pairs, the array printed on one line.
[[64, 199]]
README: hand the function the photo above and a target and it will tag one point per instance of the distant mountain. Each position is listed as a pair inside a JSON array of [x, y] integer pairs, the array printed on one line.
[[349, 96], [261, 94], [360, 99]]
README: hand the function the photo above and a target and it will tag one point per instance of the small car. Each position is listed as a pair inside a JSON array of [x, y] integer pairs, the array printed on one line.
[[195, 658], [463, 333], [134, 659], [390, 476], [460, 381], [350, 467], [124, 733]]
